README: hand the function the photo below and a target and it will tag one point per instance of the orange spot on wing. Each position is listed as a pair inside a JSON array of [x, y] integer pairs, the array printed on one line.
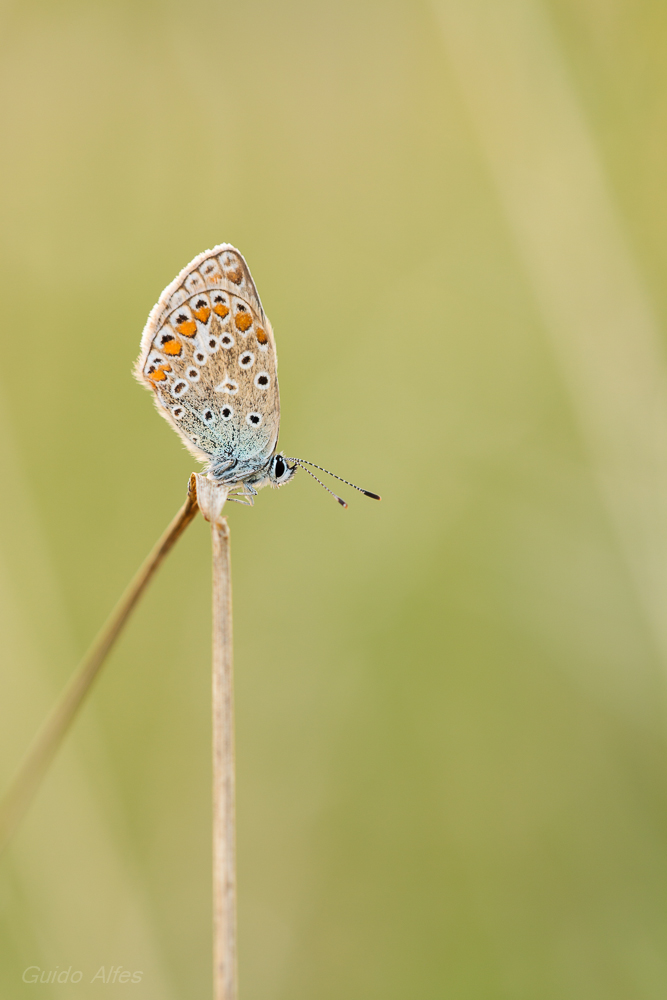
[[262, 336], [221, 309], [236, 275], [172, 347], [187, 329], [243, 321], [202, 314], [159, 374]]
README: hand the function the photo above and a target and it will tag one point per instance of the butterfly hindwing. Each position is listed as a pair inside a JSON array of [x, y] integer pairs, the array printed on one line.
[[209, 355]]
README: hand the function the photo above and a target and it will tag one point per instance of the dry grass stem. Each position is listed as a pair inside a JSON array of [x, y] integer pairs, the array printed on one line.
[[45, 745], [224, 845]]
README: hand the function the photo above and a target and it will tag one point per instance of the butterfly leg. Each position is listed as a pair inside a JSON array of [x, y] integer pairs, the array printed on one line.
[[242, 498], [245, 495]]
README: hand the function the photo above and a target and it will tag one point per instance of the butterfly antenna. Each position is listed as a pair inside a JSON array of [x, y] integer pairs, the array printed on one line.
[[324, 487], [301, 461]]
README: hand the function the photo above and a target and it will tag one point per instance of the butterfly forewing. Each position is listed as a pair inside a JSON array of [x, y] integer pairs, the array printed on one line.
[[208, 353]]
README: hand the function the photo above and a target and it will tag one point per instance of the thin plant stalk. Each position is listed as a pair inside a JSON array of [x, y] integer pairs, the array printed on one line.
[[224, 840], [47, 741]]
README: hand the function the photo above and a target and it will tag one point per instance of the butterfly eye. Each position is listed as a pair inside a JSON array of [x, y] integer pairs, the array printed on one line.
[[279, 468]]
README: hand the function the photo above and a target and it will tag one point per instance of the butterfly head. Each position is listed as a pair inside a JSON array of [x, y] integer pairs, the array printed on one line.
[[280, 472]]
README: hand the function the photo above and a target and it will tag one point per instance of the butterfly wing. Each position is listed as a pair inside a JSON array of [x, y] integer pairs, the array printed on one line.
[[208, 354]]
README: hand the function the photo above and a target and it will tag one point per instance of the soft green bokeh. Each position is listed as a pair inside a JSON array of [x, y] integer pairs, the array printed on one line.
[[450, 706]]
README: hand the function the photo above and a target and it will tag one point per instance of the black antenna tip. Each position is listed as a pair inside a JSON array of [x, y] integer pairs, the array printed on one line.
[[373, 496], [341, 502]]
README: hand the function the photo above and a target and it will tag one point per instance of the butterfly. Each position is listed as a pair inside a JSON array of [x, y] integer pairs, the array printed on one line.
[[208, 354]]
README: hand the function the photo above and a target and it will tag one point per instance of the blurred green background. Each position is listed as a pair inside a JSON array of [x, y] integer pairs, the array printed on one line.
[[451, 705]]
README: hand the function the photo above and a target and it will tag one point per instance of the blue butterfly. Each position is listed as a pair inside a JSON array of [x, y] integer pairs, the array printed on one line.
[[209, 355]]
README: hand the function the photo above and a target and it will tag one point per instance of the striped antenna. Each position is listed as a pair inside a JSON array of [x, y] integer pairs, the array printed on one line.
[[339, 499], [303, 463]]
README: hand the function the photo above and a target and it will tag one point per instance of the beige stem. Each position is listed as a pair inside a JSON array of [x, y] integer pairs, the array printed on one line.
[[224, 846]]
